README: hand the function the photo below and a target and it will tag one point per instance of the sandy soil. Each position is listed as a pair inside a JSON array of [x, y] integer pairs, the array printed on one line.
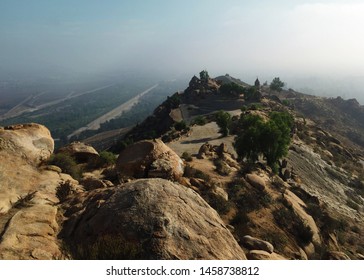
[[199, 135]]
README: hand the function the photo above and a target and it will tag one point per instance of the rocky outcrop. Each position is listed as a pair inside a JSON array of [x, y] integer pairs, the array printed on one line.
[[28, 194], [150, 158], [29, 227], [205, 151], [32, 142], [298, 206], [256, 181], [80, 151], [253, 243], [154, 218], [336, 255]]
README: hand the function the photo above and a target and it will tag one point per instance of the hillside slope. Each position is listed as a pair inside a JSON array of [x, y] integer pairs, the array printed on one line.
[[177, 167]]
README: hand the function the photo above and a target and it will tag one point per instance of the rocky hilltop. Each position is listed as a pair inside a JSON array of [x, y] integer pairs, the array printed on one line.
[[179, 187]]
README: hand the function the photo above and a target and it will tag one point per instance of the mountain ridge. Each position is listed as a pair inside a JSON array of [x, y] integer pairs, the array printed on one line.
[[312, 208]]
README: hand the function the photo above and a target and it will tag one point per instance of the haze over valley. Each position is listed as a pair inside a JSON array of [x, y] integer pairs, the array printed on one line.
[[181, 130]]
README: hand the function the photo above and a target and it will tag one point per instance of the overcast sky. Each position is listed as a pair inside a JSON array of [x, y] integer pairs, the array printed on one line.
[[242, 38]]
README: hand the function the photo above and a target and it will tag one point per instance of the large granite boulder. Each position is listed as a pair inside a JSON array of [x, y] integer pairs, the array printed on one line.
[[147, 219], [80, 151], [150, 159], [32, 142], [254, 243]]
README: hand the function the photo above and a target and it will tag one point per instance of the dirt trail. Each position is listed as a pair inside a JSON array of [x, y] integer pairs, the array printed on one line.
[[200, 135]]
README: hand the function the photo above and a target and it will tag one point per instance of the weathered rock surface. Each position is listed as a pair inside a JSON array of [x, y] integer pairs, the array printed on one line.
[[80, 151], [263, 255], [256, 181], [90, 183], [28, 200], [29, 227], [253, 243], [336, 255], [298, 207], [205, 151], [32, 142], [150, 158], [157, 218]]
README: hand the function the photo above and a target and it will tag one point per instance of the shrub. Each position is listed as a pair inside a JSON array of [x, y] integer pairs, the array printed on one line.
[[241, 218], [244, 108], [179, 126], [286, 103], [222, 168], [186, 156], [270, 138], [252, 94], [24, 201], [67, 164], [63, 191], [223, 120], [105, 159], [289, 221], [107, 247], [218, 203], [199, 120], [255, 106], [231, 89]]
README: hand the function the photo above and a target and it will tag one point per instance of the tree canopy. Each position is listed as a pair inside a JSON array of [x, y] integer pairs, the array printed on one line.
[[204, 75], [223, 120], [268, 138], [276, 84]]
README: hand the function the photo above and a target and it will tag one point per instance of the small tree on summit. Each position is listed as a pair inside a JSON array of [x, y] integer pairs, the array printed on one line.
[[204, 76], [276, 84]]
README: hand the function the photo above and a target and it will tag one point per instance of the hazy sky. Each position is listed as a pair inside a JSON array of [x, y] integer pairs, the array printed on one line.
[[250, 38]]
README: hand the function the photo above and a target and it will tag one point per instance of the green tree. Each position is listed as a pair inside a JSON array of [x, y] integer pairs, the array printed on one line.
[[268, 138], [276, 84], [252, 94], [204, 76], [223, 120], [231, 89], [247, 144]]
